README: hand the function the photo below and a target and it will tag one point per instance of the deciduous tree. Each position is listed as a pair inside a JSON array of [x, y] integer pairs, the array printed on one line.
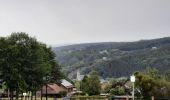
[[24, 62]]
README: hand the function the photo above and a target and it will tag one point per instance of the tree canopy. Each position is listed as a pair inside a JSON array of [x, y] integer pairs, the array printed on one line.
[[91, 84], [25, 62], [151, 84]]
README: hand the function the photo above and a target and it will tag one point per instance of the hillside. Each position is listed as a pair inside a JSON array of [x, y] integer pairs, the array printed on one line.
[[115, 59]]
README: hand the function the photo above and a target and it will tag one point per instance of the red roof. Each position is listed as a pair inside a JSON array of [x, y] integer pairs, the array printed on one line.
[[52, 89]]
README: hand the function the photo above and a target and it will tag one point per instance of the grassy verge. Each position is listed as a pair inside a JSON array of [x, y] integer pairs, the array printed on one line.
[[33, 98]]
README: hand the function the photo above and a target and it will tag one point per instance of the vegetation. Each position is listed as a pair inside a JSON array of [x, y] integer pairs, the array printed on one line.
[[63, 93], [115, 59], [117, 87], [91, 84], [26, 64], [150, 83]]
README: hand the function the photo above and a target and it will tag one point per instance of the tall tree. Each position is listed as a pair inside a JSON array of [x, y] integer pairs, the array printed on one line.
[[25, 62], [84, 83], [149, 86], [145, 84], [55, 74], [92, 84]]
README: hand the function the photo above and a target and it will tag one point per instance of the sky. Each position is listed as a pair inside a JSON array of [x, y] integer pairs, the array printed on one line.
[[83, 21]]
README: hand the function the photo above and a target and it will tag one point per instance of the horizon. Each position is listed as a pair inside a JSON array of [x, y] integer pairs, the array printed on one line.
[[69, 44]]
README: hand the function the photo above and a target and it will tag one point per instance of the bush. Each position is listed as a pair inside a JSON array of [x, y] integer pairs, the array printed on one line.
[[63, 93], [117, 91]]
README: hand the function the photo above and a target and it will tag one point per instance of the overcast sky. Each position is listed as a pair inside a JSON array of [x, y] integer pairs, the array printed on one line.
[[81, 21]]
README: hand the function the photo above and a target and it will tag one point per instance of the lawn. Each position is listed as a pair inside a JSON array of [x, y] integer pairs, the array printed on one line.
[[33, 98]]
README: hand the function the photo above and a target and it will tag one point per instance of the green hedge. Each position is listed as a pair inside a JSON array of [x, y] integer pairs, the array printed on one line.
[[89, 98]]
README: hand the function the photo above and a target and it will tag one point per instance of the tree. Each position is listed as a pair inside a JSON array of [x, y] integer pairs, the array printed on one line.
[[92, 84], [84, 83], [149, 86], [145, 84], [117, 86], [11, 66], [55, 73], [25, 62], [152, 72]]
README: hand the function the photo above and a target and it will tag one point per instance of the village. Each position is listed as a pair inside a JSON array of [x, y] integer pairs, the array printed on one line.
[[34, 74], [66, 90], [84, 49]]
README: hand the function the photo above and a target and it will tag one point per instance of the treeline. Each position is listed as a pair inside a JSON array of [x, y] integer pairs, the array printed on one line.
[[26, 64]]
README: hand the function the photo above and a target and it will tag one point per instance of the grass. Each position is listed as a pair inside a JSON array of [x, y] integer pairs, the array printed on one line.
[[38, 98]]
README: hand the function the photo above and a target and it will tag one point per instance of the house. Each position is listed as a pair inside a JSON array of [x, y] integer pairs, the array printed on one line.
[[154, 48], [104, 51], [56, 90], [67, 85], [53, 90], [102, 81], [104, 58]]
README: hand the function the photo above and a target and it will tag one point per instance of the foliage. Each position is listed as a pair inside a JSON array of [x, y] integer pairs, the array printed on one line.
[[77, 84], [145, 85], [148, 85], [25, 62], [84, 83], [152, 72], [117, 91], [120, 57], [117, 86], [63, 93], [91, 85]]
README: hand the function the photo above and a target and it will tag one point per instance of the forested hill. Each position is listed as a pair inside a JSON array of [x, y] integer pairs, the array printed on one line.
[[115, 59]]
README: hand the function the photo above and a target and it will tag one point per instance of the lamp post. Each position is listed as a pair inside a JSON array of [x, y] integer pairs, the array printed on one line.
[[132, 79]]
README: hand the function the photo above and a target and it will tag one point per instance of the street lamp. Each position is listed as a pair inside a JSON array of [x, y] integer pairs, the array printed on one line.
[[132, 79]]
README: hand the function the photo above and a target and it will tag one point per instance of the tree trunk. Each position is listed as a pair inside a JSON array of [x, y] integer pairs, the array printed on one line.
[[35, 94], [8, 94], [31, 95], [41, 93], [11, 94], [17, 94], [46, 91], [22, 96]]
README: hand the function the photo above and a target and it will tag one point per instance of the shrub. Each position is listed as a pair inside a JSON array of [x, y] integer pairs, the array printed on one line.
[[63, 93]]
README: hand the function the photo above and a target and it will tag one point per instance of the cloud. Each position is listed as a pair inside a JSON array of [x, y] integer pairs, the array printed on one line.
[[75, 21]]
